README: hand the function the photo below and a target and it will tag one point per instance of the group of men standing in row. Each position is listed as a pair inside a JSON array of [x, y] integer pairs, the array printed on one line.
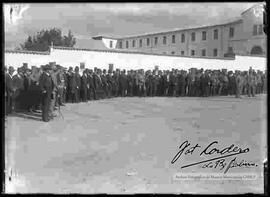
[[50, 86]]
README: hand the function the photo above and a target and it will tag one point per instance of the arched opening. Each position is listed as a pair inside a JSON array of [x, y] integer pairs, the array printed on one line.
[[256, 50]]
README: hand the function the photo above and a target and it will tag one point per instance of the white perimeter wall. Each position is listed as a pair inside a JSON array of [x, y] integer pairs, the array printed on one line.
[[93, 59]]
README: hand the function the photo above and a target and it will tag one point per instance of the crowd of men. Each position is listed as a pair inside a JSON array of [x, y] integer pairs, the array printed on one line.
[[51, 86]]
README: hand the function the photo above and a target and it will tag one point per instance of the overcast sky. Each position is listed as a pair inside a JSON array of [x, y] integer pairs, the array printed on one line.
[[120, 19]]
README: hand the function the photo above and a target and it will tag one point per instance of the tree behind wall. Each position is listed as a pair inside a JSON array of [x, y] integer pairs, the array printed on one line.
[[42, 40]]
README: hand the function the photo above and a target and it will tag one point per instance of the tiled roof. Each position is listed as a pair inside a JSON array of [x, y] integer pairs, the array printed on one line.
[[230, 21], [28, 52]]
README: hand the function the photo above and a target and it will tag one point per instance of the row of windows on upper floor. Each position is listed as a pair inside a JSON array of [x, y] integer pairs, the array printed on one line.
[[193, 39], [192, 52]]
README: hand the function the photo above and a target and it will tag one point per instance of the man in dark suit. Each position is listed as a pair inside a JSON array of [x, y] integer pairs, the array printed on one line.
[[71, 89], [238, 84], [166, 83], [172, 83], [84, 83], [149, 83], [251, 83], [19, 88], [97, 83], [46, 85], [104, 84], [129, 83], [78, 84], [181, 78], [9, 90], [92, 90], [110, 83], [141, 83], [123, 83], [155, 83]]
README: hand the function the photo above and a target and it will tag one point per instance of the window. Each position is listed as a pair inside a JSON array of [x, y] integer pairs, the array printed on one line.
[[173, 52], [255, 30], [260, 29], [230, 50], [140, 42], [133, 43], [111, 44], [203, 52], [164, 40], [192, 52], [173, 38], [215, 52], [231, 32], [156, 40], [120, 44], [148, 41], [215, 34], [126, 44], [182, 52], [193, 36], [183, 38], [204, 35]]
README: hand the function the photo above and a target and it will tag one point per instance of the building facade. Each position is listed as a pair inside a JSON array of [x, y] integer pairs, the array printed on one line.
[[243, 36]]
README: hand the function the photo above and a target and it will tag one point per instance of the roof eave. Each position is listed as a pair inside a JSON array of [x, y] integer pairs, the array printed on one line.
[[236, 21]]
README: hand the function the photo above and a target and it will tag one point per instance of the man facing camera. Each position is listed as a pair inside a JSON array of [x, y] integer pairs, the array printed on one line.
[[46, 85]]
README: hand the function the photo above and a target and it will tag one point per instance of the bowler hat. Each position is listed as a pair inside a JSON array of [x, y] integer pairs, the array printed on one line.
[[11, 68], [47, 67]]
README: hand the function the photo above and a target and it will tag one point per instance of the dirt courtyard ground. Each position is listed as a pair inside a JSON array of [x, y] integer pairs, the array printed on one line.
[[126, 145]]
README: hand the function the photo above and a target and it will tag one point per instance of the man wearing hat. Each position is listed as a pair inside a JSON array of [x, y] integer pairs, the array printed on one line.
[[9, 90], [116, 83], [54, 101], [19, 88], [123, 83], [251, 83], [230, 83], [141, 83], [104, 83], [78, 84], [155, 82], [84, 86], [91, 91], [71, 88], [46, 85], [110, 83], [238, 84], [97, 83], [203, 84], [34, 89], [61, 85]]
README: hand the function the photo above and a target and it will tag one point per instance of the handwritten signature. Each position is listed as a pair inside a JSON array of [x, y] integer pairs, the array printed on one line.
[[216, 162]]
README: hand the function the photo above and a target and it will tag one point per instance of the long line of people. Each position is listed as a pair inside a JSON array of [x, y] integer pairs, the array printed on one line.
[[50, 86]]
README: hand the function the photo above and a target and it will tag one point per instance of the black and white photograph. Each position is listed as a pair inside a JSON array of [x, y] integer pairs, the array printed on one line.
[[135, 98]]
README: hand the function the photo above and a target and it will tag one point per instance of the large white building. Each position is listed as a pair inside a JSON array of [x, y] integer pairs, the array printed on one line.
[[243, 36]]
